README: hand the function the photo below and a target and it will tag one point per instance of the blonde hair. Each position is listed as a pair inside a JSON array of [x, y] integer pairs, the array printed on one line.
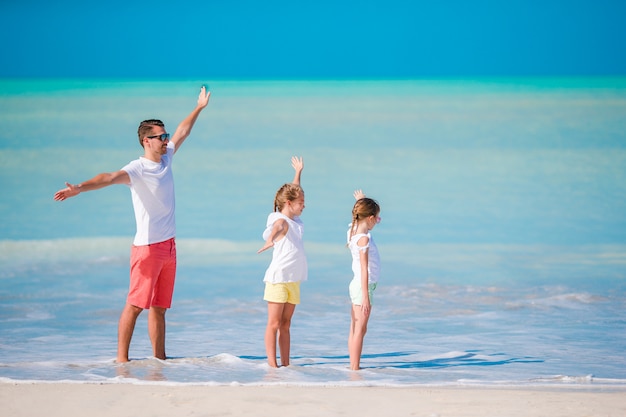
[[288, 192], [363, 208]]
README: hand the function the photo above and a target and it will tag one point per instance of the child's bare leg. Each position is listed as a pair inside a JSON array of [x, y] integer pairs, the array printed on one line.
[[274, 314], [351, 332], [284, 335], [358, 328]]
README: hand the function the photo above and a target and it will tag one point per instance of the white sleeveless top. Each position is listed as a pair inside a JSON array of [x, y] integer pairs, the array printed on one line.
[[373, 265], [288, 258]]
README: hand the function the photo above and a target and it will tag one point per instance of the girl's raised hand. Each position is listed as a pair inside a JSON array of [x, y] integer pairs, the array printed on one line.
[[297, 163], [358, 194]]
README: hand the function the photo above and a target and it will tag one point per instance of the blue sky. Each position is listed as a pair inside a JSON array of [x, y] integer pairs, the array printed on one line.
[[316, 39]]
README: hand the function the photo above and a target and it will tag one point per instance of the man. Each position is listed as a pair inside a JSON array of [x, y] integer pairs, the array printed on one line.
[[153, 254]]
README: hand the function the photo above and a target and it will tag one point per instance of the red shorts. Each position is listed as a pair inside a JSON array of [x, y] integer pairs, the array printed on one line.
[[152, 274]]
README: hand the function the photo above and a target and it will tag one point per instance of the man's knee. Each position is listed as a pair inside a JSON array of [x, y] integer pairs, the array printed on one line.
[[158, 310], [132, 310]]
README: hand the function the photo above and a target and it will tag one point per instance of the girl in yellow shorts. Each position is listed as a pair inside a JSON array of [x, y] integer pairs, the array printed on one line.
[[288, 268]]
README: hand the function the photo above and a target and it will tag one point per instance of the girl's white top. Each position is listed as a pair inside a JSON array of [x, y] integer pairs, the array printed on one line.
[[373, 264], [288, 258]]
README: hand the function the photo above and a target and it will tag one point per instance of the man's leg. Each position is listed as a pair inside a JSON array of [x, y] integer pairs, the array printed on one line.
[[163, 290], [156, 330], [125, 329]]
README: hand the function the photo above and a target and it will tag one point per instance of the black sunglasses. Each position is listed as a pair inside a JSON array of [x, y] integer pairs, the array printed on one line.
[[162, 138]]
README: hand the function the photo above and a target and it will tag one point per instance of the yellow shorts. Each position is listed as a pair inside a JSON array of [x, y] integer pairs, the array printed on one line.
[[282, 292]]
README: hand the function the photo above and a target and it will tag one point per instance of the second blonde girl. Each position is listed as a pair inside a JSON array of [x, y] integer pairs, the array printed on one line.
[[366, 269]]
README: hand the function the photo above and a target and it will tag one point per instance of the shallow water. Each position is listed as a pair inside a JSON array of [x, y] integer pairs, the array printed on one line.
[[503, 238]]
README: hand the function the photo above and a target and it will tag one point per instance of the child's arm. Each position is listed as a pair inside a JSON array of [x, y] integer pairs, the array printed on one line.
[[279, 230], [358, 194], [298, 166], [364, 258]]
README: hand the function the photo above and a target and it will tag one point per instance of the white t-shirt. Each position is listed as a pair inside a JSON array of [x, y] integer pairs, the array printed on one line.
[[373, 265], [288, 258], [152, 190]]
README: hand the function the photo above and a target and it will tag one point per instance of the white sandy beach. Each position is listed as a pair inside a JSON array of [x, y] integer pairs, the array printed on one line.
[[93, 400]]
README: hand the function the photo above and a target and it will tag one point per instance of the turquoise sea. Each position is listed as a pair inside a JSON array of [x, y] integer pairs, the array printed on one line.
[[503, 233]]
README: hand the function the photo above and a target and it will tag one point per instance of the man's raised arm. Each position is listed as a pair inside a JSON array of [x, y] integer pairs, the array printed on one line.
[[184, 128]]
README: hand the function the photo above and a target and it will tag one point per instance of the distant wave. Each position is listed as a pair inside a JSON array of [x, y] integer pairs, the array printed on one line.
[[19, 255]]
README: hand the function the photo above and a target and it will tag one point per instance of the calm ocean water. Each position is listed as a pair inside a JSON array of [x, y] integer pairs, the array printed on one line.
[[503, 239]]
